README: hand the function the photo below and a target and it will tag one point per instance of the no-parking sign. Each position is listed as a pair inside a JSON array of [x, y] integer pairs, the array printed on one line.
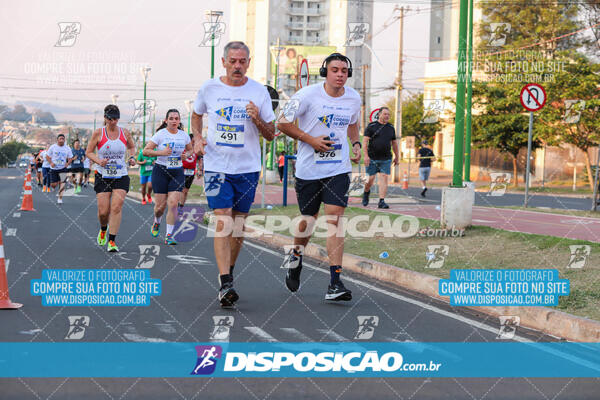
[[533, 97]]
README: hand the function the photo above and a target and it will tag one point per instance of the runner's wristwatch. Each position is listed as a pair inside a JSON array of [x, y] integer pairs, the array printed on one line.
[[359, 144]]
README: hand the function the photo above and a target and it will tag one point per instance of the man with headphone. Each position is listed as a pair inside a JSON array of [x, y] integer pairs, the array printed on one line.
[[328, 114]]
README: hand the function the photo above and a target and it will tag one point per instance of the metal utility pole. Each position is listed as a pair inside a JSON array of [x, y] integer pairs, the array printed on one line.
[[469, 97], [365, 121], [459, 122], [398, 102]]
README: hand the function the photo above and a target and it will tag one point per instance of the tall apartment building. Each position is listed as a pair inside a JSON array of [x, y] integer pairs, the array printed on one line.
[[441, 70], [321, 25]]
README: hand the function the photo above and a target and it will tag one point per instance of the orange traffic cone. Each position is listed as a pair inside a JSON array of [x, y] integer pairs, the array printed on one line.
[[405, 181], [5, 303], [27, 204]]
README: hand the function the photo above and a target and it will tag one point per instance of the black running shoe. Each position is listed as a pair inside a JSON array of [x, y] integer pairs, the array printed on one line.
[[227, 295], [365, 200], [337, 292], [423, 192], [294, 267], [382, 204]]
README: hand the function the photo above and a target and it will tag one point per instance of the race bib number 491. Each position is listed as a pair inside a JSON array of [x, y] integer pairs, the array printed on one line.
[[230, 135]]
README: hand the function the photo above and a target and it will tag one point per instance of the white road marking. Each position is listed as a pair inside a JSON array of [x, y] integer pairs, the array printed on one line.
[[336, 337], [11, 232], [134, 337], [17, 215], [256, 331], [434, 309], [165, 328], [297, 334]]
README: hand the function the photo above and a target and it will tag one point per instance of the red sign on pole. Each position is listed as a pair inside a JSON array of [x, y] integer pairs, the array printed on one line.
[[373, 113], [304, 74], [533, 97]]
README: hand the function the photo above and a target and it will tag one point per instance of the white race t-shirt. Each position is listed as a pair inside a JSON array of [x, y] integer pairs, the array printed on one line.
[[320, 114], [177, 142], [233, 139], [59, 155], [45, 163]]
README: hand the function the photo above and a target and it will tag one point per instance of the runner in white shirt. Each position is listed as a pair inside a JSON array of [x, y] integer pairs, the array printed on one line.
[[328, 115], [169, 144], [109, 147], [45, 170], [239, 111], [60, 156]]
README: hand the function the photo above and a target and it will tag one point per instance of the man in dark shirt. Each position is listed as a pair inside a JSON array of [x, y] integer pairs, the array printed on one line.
[[77, 165], [379, 138], [426, 155]]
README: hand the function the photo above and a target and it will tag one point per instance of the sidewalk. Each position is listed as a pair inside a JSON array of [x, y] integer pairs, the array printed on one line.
[[565, 226]]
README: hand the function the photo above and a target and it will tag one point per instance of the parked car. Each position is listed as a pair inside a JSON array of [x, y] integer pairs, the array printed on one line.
[[12, 165]]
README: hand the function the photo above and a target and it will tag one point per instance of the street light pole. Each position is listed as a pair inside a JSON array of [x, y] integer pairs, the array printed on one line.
[[95, 120], [213, 17], [145, 71], [114, 98], [278, 49], [189, 107]]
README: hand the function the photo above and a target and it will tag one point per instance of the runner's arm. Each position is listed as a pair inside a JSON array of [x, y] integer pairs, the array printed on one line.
[[318, 143], [199, 141], [150, 152], [396, 151], [266, 129], [92, 144], [130, 146], [355, 140]]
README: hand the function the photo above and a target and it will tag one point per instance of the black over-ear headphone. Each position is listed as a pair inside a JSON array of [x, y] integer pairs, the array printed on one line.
[[323, 69]]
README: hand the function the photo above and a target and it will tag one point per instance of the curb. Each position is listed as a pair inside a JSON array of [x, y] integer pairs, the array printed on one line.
[[543, 319]]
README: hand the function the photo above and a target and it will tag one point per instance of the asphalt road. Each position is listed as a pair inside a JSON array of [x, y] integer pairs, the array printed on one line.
[[64, 236]]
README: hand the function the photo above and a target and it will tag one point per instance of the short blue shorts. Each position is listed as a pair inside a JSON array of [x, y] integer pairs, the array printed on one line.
[[145, 179], [383, 166], [165, 180], [235, 191]]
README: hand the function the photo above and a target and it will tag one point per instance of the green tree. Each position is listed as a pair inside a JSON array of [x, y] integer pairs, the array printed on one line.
[[412, 119], [9, 151], [565, 120], [499, 120]]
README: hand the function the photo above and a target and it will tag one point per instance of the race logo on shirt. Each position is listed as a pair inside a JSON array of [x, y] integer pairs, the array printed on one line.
[[326, 120], [334, 121], [233, 113], [225, 112]]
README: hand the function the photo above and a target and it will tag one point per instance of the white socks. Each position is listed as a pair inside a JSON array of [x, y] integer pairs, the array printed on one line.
[[170, 229]]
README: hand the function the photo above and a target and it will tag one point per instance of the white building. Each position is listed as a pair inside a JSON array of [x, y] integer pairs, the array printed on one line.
[[320, 24]]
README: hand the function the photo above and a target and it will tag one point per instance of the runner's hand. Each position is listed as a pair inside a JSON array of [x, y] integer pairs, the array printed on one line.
[[199, 147], [252, 111], [357, 153], [367, 161], [167, 151], [396, 161], [321, 143], [52, 165], [103, 162]]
